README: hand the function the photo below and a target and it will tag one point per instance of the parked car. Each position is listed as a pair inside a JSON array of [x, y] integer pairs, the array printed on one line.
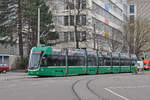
[[4, 68]]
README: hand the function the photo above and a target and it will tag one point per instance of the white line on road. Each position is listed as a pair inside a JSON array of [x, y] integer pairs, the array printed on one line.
[[124, 98], [131, 87]]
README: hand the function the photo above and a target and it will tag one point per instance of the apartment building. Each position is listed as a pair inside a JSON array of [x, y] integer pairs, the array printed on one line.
[[99, 22], [139, 8]]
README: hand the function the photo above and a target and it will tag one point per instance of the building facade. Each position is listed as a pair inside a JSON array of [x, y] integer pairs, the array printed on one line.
[[9, 54], [139, 8], [98, 22]]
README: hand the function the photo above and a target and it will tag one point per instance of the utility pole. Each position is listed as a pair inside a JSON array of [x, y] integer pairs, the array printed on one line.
[[38, 41], [94, 37]]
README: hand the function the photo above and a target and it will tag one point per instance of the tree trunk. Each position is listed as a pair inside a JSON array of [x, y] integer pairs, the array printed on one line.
[[20, 30], [76, 34], [76, 24]]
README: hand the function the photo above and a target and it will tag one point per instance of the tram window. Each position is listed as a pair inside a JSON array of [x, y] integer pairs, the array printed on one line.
[[107, 61], [43, 62], [132, 63], [92, 61], [125, 62], [128, 62], [56, 60], [118, 63], [101, 61], [115, 62], [76, 61], [122, 62]]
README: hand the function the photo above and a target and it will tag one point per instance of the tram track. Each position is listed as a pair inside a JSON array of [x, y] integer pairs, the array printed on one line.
[[88, 86], [73, 89], [91, 92]]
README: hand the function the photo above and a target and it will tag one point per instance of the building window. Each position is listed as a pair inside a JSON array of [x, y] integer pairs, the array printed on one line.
[[80, 4], [69, 4], [132, 18], [80, 20], [71, 20], [66, 20], [72, 36], [77, 19], [83, 18], [132, 9], [83, 36], [83, 4], [66, 36]]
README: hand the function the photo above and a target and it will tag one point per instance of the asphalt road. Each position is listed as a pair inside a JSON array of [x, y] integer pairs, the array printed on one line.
[[19, 86]]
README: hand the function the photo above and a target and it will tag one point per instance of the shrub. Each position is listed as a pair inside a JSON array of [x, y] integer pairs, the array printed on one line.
[[21, 64]]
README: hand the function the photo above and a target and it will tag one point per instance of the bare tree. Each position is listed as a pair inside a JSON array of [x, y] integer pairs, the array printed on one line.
[[80, 7], [78, 11], [114, 42], [137, 36]]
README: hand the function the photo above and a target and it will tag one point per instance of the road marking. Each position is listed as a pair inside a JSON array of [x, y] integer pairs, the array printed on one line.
[[3, 78], [124, 98], [130, 87]]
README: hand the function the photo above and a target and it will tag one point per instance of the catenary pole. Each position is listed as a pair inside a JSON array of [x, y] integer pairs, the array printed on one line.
[[38, 41]]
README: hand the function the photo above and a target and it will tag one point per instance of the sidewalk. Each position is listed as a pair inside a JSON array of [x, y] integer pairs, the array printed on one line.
[[13, 75], [18, 70]]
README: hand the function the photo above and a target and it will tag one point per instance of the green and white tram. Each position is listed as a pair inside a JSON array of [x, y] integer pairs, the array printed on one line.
[[46, 61]]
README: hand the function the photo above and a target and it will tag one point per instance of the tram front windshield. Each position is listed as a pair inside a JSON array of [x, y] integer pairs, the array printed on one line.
[[34, 60]]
